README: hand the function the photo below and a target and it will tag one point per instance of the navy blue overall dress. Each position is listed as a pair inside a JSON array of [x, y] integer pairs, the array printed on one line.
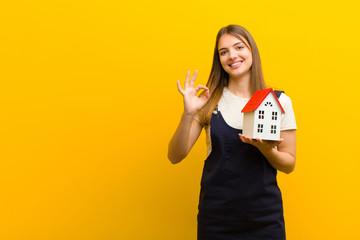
[[239, 197]]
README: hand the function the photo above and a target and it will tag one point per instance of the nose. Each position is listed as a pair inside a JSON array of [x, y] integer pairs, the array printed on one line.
[[232, 54]]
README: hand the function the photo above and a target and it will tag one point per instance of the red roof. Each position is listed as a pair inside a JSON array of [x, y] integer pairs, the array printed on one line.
[[257, 99]]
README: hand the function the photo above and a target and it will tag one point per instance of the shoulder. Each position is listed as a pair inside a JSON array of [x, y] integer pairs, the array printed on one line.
[[285, 100], [288, 121]]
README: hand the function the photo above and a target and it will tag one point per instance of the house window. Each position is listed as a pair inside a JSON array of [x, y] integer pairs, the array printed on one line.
[[260, 128], [273, 129], [268, 103], [274, 116], [261, 114]]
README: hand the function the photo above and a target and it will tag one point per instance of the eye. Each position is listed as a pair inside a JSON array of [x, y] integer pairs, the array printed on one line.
[[223, 53], [239, 47]]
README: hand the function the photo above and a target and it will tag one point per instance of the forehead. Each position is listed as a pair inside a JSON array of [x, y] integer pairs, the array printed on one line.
[[227, 40]]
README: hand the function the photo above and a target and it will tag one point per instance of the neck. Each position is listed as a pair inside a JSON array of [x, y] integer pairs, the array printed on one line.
[[240, 86]]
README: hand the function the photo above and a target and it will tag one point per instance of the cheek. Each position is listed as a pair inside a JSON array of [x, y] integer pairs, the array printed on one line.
[[250, 60], [223, 61]]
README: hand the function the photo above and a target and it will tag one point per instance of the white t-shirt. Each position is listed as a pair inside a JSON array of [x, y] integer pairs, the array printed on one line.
[[230, 107]]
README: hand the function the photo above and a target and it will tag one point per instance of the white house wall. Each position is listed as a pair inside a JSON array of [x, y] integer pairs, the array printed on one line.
[[267, 121]]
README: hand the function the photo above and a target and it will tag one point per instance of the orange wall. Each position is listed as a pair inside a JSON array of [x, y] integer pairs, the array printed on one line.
[[89, 103]]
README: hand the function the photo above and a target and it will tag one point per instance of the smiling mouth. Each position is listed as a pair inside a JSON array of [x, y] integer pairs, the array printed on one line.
[[234, 64]]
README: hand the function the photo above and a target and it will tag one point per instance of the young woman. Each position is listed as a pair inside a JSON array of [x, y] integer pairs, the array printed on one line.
[[239, 197]]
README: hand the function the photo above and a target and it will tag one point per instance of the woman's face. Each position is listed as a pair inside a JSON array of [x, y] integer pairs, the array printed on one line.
[[235, 56]]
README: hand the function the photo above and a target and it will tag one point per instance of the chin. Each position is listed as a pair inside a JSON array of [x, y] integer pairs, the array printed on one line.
[[238, 74]]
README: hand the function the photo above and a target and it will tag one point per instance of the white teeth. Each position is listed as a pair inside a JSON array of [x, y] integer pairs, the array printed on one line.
[[234, 64]]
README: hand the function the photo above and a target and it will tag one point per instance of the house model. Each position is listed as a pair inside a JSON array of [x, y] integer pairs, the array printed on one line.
[[262, 115]]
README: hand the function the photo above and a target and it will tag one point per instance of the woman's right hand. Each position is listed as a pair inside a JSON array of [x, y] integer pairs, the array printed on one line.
[[193, 103]]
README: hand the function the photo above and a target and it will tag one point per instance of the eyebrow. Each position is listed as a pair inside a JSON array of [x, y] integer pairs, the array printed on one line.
[[232, 45]]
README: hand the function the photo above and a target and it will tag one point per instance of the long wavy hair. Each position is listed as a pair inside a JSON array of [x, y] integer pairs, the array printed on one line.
[[219, 79]]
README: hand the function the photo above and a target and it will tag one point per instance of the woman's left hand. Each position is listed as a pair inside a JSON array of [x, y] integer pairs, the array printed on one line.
[[284, 157], [262, 145]]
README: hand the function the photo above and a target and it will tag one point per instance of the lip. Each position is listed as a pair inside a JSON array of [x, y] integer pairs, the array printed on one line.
[[236, 66]]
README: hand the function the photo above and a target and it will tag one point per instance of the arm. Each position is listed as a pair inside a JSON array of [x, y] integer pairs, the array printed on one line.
[[184, 138], [283, 158], [189, 129]]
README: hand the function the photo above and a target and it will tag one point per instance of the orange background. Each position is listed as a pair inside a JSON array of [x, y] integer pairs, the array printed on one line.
[[89, 103]]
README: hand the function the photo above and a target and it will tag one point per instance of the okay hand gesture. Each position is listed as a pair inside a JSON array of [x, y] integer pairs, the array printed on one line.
[[193, 103]]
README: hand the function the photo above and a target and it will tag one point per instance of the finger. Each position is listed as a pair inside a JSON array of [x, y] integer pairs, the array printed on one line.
[[278, 142], [248, 138], [198, 87], [187, 80], [192, 81], [179, 88], [241, 137], [245, 139]]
